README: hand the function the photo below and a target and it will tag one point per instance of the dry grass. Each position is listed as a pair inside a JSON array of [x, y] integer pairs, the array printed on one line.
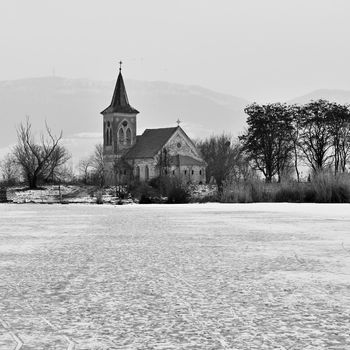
[[324, 188]]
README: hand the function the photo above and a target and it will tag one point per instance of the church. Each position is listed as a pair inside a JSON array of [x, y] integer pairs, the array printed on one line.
[[128, 156]]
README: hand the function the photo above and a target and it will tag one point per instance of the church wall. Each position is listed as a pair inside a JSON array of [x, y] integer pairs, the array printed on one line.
[[109, 170], [192, 174], [116, 120], [119, 119], [142, 164], [179, 144]]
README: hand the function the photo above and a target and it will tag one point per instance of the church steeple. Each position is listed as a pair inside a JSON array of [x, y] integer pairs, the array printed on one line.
[[120, 102]]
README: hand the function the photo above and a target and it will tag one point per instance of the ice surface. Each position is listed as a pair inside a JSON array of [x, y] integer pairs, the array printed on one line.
[[201, 276]]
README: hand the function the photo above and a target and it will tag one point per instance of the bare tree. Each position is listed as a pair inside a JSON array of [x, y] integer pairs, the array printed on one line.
[[38, 160], [10, 171], [85, 169], [315, 138], [98, 165], [57, 169], [339, 127], [268, 139], [222, 155], [296, 120], [163, 161], [344, 149]]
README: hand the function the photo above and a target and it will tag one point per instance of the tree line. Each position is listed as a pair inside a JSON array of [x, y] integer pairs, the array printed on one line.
[[281, 136], [279, 140]]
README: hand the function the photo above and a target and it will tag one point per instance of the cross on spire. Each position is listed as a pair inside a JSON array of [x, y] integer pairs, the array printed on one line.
[[120, 66], [178, 121]]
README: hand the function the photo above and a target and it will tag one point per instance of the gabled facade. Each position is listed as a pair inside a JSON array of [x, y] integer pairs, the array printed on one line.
[[165, 151]]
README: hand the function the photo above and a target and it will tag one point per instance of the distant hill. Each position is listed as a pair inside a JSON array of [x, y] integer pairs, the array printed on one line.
[[340, 96], [74, 106]]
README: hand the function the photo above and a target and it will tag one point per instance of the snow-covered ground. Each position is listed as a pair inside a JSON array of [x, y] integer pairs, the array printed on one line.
[[197, 276], [64, 194]]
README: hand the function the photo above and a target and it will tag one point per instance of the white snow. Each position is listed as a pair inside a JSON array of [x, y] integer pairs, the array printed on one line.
[[197, 276]]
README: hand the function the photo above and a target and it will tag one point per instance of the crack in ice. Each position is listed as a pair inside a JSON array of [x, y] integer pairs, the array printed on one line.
[[71, 344], [13, 335]]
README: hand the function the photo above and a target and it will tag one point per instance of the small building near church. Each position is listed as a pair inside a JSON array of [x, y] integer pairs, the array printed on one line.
[[163, 151]]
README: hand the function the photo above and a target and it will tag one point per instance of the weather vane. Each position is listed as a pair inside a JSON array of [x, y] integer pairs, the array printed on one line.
[[120, 66], [178, 121]]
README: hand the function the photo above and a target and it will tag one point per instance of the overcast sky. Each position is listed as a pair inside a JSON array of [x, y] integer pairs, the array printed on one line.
[[264, 50]]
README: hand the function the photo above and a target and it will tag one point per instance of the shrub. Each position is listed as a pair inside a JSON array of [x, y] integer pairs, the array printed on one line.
[[290, 192], [178, 194], [248, 191], [3, 194], [163, 184], [99, 197], [261, 191], [331, 188], [309, 194], [325, 187], [146, 194], [209, 198], [236, 192]]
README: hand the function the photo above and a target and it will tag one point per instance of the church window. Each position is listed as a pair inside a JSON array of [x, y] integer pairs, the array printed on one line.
[[146, 173], [121, 135], [128, 136], [109, 134], [173, 172], [192, 172], [125, 123], [185, 172], [178, 145], [138, 172], [200, 172]]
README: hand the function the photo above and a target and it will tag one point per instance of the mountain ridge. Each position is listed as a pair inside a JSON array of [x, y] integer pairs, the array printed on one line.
[[334, 95]]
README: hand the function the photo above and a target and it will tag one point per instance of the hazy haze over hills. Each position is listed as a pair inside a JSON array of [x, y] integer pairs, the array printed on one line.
[[340, 96], [74, 106]]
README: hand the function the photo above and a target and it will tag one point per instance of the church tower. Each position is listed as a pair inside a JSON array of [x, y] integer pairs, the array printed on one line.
[[119, 125]]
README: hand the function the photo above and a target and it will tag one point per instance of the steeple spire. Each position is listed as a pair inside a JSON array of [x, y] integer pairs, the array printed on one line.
[[120, 102]]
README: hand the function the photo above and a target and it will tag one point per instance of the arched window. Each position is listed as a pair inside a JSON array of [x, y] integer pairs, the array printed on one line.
[[108, 134], [200, 172], [146, 173], [121, 135], [138, 172], [128, 136], [192, 172]]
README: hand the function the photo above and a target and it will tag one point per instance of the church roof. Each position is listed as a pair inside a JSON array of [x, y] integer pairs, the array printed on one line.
[[180, 160], [120, 102], [150, 143]]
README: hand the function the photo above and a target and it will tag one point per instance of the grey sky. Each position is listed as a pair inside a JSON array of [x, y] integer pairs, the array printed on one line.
[[263, 50]]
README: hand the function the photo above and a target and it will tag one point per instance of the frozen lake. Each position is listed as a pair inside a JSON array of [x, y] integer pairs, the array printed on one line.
[[206, 276]]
